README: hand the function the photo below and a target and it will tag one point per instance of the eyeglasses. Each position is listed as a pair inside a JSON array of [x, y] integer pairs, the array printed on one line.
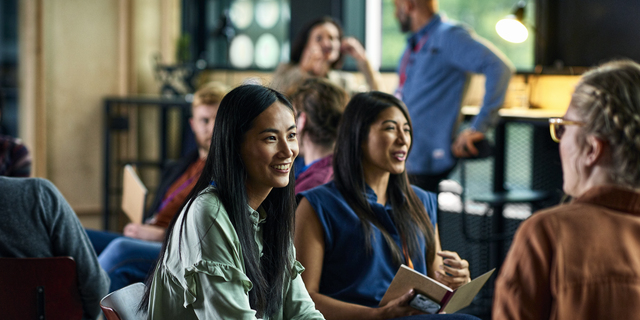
[[556, 127]]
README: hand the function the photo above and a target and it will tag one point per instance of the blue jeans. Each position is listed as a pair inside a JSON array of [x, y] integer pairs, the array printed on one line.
[[126, 260], [101, 239]]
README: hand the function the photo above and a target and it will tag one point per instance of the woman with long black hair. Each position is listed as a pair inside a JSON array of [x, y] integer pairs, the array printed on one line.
[[353, 234], [229, 253]]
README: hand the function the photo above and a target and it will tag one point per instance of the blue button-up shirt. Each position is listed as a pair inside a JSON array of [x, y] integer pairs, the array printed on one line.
[[436, 78]]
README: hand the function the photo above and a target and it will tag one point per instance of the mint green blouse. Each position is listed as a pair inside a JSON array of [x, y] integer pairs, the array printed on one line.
[[209, 280]]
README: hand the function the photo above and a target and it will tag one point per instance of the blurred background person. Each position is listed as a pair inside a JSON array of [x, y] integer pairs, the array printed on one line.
[[433, 77], [580, 260], [318, 51], [319, 105], [15, 160]]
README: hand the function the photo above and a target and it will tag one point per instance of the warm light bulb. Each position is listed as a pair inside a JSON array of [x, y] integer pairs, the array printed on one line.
[[512, 30]]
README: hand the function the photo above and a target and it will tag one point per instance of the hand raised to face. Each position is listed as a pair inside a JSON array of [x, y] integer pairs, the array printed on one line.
[[313, 61], [352, 47]]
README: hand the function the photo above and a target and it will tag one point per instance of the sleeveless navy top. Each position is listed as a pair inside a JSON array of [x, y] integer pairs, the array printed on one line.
[[351, 272]]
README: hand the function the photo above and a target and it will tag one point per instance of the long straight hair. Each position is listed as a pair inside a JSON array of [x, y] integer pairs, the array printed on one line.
[[409, 213], [224, 165]]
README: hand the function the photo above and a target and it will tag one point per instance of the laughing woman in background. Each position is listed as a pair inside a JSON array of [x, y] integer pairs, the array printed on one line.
[[318, 51]]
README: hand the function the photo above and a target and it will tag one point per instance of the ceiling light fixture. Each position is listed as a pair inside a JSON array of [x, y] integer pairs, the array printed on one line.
[[511, 27]]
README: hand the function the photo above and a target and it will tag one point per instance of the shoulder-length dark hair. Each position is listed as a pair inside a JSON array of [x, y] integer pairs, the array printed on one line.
[[409, 213], [300, 42], [224, 165]]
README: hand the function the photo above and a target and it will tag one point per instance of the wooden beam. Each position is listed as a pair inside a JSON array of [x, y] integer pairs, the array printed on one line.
[[32, 107]]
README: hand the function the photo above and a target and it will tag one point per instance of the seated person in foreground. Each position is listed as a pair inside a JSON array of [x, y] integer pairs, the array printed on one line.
[[352, 234], [319, 104], [581, 260], [130, 258], [229, 253], [37, 222], [14, 156]]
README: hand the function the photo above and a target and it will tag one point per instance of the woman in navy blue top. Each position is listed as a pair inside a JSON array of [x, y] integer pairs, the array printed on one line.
[[352, 234]]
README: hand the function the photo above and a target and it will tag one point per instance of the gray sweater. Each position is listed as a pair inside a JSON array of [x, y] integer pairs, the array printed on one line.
[[36, 221]]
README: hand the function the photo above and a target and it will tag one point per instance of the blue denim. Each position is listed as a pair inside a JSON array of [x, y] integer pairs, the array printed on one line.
[[100, 239], [126, 260]]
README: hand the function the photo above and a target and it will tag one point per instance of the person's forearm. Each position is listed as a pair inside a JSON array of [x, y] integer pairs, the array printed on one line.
[[153, 233], [146, 232], [372, 76], [496, 84]]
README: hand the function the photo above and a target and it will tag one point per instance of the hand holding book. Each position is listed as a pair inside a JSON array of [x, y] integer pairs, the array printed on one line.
[[454, 272], [399, 307], [450, 300]]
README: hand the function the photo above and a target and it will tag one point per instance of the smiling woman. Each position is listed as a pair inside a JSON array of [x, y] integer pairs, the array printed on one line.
[[371, 207], [229, 253], [318, 51], [268, 151], [388, 143]]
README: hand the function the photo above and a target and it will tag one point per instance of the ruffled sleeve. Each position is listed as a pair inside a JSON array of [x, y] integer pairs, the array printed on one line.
[[297, 269], [217, 272], [211, 270]]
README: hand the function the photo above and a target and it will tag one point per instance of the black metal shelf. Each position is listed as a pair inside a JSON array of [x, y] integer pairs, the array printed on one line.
[[116, 110]]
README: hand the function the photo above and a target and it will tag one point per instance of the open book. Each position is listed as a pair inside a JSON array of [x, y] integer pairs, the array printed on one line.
[[450, 300], [134, 195]]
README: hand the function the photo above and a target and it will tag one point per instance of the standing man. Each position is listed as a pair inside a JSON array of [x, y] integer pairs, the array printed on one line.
[[434, 72]]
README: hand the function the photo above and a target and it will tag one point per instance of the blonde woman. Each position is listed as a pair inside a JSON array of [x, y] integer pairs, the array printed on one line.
[[580, 260]]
